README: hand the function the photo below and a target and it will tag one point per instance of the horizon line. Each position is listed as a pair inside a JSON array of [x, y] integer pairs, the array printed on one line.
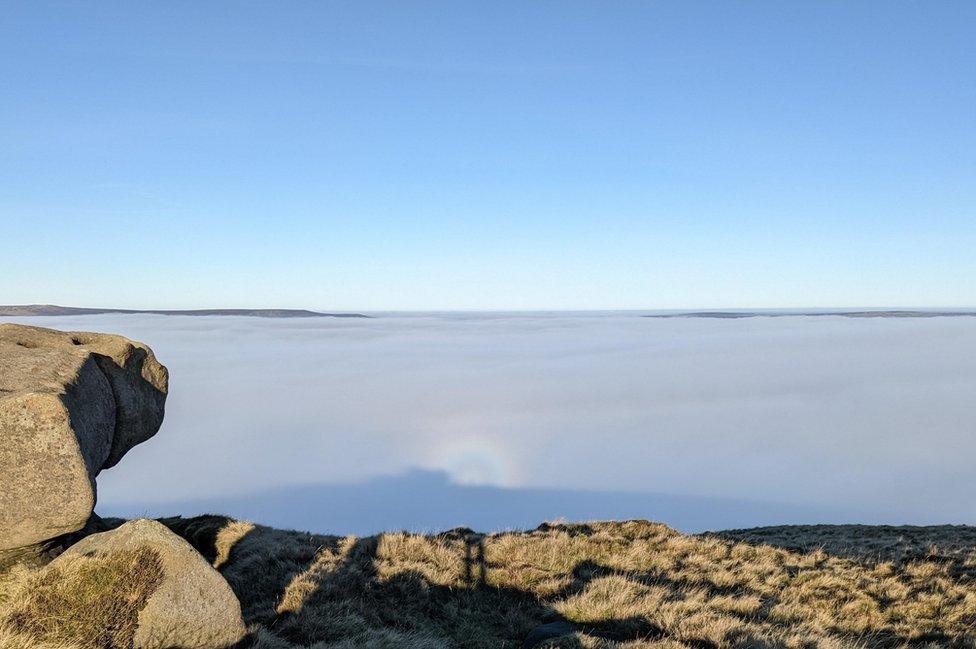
[[690, 309]]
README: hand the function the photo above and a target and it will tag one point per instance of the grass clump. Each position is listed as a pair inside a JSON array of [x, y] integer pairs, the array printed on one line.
[[11, 639], [84, 603]]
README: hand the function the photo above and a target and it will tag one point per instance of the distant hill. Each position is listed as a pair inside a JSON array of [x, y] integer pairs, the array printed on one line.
[[845, 314], [54, 310]]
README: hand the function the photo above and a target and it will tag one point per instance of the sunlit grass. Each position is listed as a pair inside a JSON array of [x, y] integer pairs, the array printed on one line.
[[633, 585]]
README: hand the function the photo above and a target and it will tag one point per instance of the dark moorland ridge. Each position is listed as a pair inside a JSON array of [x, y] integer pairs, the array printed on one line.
[[54, 310], [845, 314]]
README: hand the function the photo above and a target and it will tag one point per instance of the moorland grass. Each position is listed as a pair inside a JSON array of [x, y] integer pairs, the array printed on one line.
[[632, 585], [91, 603]]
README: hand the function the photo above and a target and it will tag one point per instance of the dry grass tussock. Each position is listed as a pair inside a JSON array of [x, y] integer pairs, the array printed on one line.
[[87, 604], [12, 639], [633, 585]]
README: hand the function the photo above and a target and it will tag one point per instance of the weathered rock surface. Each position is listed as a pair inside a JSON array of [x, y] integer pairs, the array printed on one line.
[[71, 404], [139, 382], [192, 607]]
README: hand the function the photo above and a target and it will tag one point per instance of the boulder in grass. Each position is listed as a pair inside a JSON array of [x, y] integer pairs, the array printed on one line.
[[138, 586]]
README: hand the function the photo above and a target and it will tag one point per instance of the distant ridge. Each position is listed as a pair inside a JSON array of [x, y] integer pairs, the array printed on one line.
[[54, 310], [845, 314]]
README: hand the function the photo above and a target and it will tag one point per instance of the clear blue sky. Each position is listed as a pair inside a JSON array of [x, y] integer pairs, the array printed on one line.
[[491, 155]]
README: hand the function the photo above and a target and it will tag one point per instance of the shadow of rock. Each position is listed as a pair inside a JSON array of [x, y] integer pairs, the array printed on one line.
[[241, 552], [202, 532]]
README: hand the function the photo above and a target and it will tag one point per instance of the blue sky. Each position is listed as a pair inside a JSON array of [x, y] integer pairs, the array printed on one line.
[[495, 155]]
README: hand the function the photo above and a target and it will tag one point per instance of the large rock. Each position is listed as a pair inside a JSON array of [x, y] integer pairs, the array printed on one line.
[[139, 382], [71, 404], [191, 606]]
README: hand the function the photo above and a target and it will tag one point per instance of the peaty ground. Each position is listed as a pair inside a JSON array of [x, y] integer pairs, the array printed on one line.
[[630, 585]]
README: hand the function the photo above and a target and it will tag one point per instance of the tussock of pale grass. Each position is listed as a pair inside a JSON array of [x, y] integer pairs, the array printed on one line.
[[85, 604], [11, 639], [11, 579]]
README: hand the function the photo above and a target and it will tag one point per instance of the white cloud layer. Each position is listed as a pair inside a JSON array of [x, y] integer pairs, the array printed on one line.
[[849, 418]]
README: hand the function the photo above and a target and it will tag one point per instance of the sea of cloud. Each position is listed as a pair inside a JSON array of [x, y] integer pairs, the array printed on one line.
[[505, 419]]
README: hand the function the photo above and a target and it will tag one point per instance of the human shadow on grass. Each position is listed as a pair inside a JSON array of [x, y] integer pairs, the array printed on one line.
[[353, 600], [480, 614], [406, 603]]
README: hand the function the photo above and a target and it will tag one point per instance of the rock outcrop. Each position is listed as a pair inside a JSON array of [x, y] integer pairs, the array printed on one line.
[[191, 606], [71, 404]]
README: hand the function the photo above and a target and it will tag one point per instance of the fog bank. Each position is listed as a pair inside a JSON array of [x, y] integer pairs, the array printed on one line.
[[828, 418]]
